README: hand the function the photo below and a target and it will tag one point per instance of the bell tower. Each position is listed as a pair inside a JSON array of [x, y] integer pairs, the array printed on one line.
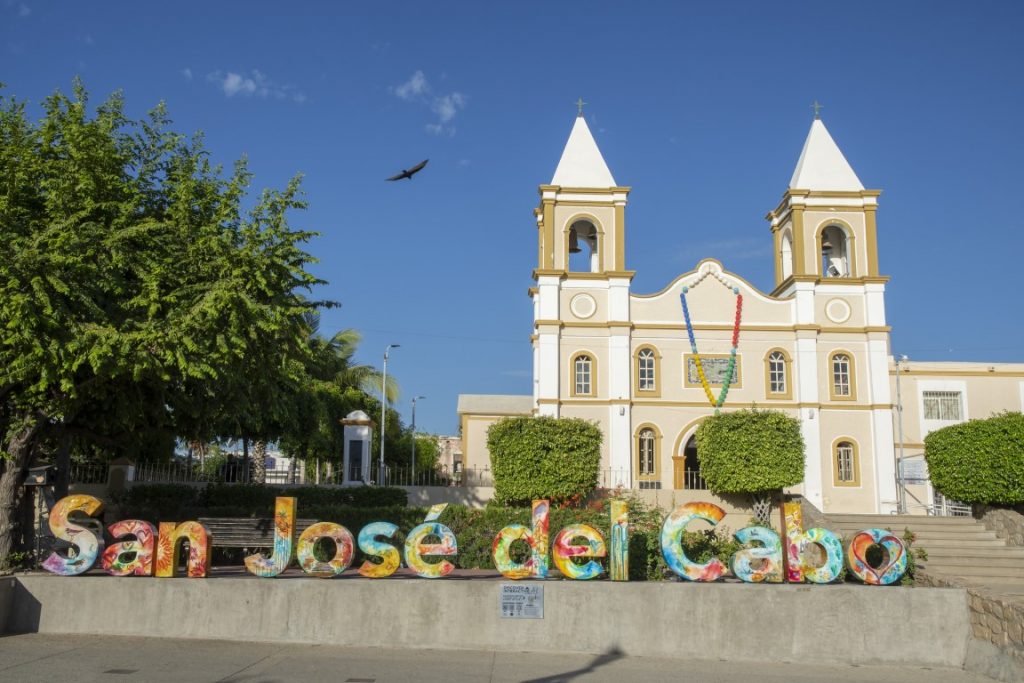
[[824, 228], [581, 339], [582, 212], [826, 259]]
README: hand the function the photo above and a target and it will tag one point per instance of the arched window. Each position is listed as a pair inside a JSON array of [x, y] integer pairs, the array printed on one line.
[[835, 256], [776, 375], [690, 474], [646, 372], [846, 463], [646, 452], [842, 387], [583, 379], [583, 243], [648, 445], [787, 255]]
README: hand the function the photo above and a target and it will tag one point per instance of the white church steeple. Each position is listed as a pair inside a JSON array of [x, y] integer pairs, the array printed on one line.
[[581, 164], [822, 166]]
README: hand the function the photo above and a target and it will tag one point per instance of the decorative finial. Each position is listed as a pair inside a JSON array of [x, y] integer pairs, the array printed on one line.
[[579, 107], [817, 110]]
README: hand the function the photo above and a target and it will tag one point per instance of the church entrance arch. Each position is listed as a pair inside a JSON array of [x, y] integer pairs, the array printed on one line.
[[686, 464]]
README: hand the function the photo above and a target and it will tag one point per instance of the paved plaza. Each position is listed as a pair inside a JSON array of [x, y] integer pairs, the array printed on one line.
[[38, 657]]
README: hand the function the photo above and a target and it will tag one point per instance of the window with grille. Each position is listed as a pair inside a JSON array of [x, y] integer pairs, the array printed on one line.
[[645, 370], [647, 452], [845, 462], [584, 373], [777, 373], [841, 375], [942, 405]]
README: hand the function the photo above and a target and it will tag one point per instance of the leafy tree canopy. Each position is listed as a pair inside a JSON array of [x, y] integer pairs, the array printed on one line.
[[750, 451], [137, 294]]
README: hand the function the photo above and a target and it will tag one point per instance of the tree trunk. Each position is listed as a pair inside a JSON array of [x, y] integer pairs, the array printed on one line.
[[63, 467], [13, 471], [259, 462]]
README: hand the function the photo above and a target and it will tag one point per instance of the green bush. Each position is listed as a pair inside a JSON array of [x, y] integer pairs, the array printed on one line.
[[158, 502], [980, 461], [750, 451], [179, 502], [544, 457]]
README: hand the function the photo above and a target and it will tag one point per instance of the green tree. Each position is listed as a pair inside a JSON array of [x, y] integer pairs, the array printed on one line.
[[756, 452], [544, 457], [979, 461], [137, 297]]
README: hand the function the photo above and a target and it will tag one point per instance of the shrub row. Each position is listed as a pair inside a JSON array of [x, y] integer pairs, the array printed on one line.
[[170, 502]]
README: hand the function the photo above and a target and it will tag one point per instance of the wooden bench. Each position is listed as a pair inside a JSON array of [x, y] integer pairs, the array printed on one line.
[[246, 532]]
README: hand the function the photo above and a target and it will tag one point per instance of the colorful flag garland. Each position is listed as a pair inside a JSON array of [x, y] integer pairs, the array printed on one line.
[[715, 402]]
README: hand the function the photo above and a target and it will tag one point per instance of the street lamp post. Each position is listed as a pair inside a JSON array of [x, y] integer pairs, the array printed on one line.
[[414, 399], [384, 411], [901, 492]]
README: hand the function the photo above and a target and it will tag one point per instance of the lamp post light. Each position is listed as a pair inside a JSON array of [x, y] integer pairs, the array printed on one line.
[[384, 410], [414, 399], [901, 492]]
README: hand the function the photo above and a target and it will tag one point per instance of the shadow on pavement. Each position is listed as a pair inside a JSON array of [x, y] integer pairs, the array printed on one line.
[[598, 661]]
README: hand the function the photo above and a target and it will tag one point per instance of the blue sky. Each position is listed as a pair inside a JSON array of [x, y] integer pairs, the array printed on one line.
[[701, 107]]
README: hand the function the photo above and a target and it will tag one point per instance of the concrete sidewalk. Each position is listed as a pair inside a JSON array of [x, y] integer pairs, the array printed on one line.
[[38, 657]]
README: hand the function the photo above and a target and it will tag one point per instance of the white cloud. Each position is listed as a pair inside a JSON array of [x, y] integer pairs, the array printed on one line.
[[187, 73], [414, 87], [24, 10], [447, 106], [255, 84], [444, 106]]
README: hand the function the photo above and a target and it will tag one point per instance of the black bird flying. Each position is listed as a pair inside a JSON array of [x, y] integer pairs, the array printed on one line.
[[410, 172]]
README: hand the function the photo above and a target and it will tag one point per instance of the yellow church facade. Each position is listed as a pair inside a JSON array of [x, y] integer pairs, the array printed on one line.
[[816, 346]]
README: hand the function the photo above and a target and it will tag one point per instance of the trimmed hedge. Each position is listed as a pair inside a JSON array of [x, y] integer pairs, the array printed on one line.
[[544, 457], [980, 461], [750, 451], [177, 502]]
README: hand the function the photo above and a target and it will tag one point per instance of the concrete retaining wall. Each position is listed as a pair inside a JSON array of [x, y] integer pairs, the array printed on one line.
[[1008, 524], [470, 496], [8, 586], [839, 624]]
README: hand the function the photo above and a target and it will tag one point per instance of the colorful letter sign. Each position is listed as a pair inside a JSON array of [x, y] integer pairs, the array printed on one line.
[[87, 546], [416, 549], [284, 542], [672, 542], [141, 550], [769, 556], [129, 556], [797, 542], [894, 557], [536, 566], [344, 549]]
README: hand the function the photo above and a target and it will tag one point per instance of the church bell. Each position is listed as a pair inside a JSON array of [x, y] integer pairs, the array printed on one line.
[[574, 243]]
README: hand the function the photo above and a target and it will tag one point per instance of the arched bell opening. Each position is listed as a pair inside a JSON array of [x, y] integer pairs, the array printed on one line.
[[583, 247], [835, 257]]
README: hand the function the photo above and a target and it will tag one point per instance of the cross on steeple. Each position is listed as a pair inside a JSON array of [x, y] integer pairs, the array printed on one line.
[[579, 107], [817, 109]]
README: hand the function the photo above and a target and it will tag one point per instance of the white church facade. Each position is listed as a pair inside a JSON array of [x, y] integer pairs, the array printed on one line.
[[816, 346]]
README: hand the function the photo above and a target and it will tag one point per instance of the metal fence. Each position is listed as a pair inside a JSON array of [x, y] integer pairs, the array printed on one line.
[[624, 479], [88, 473], [331, 474], [238, 473]]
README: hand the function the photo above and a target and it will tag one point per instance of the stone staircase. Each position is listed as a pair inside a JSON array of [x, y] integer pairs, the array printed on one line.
[[958, 547]]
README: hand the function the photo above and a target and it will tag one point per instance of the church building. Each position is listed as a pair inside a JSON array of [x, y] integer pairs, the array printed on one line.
[[816, 346]]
